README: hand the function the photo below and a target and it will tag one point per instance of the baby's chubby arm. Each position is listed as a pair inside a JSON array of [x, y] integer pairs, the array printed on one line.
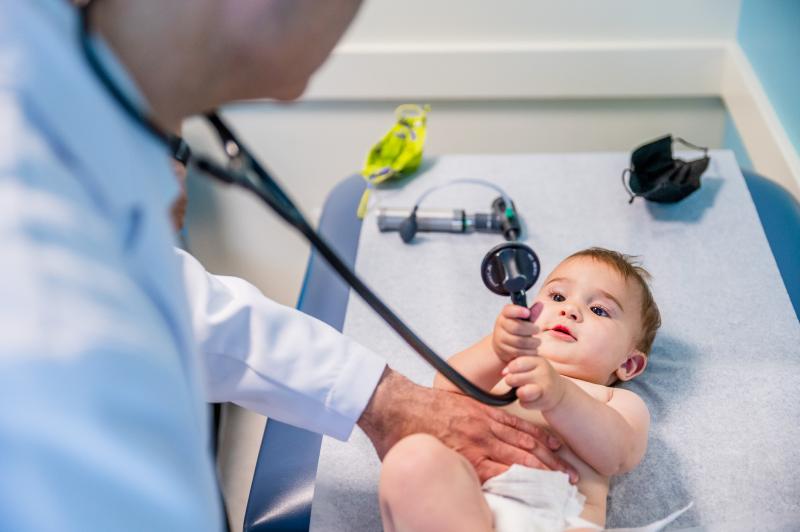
[[483, 362], [610, 435]]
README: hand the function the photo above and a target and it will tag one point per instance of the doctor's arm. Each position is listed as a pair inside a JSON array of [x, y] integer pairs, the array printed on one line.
[[274, 359], [287, 365]]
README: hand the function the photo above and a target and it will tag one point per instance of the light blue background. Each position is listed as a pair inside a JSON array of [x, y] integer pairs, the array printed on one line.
[[769, 34]]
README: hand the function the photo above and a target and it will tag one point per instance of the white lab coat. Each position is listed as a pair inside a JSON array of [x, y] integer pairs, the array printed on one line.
[[104, 367]]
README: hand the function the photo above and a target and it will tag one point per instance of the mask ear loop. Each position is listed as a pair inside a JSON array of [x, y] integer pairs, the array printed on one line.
[[693, 146], [628, 188]]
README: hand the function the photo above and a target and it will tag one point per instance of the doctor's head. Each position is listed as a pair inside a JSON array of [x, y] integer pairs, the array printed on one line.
[[599, 319], [188, 56]]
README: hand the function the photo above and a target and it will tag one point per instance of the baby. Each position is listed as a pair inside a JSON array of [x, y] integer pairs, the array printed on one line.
[[592, 325]]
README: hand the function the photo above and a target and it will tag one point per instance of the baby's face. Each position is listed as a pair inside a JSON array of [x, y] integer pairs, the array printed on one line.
[[591, 319]]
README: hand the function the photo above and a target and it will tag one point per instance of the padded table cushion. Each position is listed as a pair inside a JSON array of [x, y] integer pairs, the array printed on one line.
[[724, 377]]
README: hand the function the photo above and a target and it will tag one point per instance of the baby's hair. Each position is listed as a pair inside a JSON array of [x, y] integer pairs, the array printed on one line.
[[629, 268]]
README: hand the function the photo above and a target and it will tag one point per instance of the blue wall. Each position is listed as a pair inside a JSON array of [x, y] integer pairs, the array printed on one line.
[[769, 34]]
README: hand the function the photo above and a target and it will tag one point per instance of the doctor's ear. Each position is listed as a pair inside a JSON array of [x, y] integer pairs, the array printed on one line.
[[634, 365]]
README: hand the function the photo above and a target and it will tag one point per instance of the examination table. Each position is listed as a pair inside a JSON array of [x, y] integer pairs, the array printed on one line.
[[723, 384]]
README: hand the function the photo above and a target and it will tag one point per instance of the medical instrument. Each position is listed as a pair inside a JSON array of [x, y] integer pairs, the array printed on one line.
[[505, 210], [245, 171], [438, 221], [510, 269], [409, 222], [504, 218]]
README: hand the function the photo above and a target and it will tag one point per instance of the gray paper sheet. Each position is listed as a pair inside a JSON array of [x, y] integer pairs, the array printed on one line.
[[723, 384]]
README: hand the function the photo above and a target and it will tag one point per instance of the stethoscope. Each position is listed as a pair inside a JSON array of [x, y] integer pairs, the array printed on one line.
[[508, 269]]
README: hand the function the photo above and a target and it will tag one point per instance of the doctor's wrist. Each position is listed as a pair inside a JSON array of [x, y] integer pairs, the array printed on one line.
[[384, 419]]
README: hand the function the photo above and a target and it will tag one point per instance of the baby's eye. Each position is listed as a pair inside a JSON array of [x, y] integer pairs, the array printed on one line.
[[600, 311], [555, 296]]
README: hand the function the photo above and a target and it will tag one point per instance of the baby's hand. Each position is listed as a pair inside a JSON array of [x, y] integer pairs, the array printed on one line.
[[539, 386], [513, 332]]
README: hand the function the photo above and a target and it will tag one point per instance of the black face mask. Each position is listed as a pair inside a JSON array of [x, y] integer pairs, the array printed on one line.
[[656, 176]]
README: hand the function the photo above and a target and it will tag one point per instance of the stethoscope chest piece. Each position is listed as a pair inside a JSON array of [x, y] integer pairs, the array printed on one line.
[[510, 269]]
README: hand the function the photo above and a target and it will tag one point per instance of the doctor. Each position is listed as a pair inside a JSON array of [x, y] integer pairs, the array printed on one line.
[[110, 340]]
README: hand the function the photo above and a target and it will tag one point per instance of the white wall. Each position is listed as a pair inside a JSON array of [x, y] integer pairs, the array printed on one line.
[[439, 21], [531, 49]]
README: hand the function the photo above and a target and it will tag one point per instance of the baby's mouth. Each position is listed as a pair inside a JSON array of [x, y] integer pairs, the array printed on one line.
[[562, 333]]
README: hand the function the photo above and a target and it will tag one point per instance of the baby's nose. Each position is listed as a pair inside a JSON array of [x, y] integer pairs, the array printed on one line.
[[570, 313]]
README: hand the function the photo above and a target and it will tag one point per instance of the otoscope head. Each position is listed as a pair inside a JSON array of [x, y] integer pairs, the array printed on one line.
[[510, 269], [509, 221]]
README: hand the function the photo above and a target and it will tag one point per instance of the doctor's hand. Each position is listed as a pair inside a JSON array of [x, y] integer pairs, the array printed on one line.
[[513, 332], [491, 439]]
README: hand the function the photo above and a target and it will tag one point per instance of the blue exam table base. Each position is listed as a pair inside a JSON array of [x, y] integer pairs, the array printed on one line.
[[283, 482]]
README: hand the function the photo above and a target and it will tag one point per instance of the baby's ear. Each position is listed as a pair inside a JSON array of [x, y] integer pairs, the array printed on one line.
[[633, 366]]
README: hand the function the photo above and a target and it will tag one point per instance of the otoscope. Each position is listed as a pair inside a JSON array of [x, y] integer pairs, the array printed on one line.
[[500, 220], [245, 171]]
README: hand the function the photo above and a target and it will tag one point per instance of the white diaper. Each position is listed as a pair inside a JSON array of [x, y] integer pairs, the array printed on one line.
[[531, 500]]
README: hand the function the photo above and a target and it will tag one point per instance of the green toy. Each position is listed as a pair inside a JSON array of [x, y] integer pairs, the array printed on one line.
[[398, 153]]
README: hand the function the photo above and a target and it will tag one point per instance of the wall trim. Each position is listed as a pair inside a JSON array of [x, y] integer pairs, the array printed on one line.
[[521, 70], [575, 70], [762, 133]]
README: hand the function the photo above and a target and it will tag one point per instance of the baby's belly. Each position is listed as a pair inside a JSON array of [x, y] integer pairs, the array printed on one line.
[[592, 484]]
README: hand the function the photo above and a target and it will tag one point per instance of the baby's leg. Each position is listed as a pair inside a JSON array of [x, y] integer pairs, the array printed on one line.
[[427, 486]]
